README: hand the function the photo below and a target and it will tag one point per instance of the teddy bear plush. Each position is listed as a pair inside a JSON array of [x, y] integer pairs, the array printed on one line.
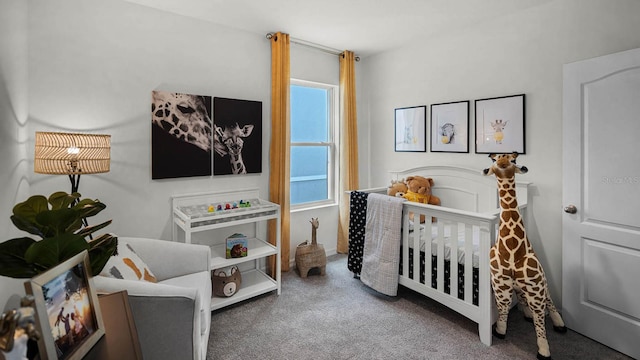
[[398, 188], [419, 190]]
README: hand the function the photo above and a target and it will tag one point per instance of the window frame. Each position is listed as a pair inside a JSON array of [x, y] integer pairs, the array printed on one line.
[[333, 113]]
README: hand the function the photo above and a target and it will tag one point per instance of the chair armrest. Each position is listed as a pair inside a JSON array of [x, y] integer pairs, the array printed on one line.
[[168, 259], [107, 285]]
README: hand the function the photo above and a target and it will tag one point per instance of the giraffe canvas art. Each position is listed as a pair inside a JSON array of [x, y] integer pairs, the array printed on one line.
[[237, 136], [181, 135], [514, 265]]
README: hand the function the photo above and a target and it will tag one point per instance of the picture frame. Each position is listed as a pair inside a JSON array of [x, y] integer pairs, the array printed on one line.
[[67, 309], [500, 124], [450, 127], [411, 129]]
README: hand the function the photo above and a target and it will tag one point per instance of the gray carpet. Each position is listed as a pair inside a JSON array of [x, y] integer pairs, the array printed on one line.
[[337, 317]]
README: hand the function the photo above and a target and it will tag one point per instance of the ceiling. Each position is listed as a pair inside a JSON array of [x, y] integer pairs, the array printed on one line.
[[366, 27]]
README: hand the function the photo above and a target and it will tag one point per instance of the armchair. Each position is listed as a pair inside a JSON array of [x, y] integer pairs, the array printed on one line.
[[172, 316]]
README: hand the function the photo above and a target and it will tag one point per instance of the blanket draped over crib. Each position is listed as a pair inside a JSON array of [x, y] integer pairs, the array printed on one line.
[[381, 252], [357, 219]]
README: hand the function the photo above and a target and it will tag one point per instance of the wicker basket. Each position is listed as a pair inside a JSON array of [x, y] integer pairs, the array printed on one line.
[[309, 256]]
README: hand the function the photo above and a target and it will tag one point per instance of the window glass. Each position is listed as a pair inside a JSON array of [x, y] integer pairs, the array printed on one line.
[[312, 149]]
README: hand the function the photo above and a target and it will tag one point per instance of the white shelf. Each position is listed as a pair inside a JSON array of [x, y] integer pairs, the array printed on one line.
[[191, 214], [254, 283], [256, 249]]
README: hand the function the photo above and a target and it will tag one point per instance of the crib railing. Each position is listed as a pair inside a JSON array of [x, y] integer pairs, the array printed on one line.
[[478, 231]]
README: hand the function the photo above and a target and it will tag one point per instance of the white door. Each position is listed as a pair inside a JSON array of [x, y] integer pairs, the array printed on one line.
[[601, 184]]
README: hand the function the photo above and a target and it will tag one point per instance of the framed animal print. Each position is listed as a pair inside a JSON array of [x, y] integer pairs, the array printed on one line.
[[181, 135], [500, 125], [411, 129], [237, 136], [450, 127]]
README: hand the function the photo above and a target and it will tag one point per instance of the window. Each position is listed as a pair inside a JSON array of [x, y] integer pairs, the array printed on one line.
[[313, 149]]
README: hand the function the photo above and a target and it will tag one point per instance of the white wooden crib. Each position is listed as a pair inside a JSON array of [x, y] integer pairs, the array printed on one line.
[[469, 213]]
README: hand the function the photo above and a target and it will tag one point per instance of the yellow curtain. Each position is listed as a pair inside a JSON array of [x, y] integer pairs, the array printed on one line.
[[280, 141], [348, 145]]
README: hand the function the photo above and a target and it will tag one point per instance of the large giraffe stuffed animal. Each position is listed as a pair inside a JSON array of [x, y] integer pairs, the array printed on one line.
[[513, 264]]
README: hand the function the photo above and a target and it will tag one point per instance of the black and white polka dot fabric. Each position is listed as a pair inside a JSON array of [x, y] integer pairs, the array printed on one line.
[[357, 220]]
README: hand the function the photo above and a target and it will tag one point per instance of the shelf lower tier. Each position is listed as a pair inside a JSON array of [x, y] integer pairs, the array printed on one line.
[[254, 283], [256, 249]]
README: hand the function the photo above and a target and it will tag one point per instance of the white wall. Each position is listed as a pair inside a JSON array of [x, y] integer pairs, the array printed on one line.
[[519, 53], [92, 67], [13, 117]]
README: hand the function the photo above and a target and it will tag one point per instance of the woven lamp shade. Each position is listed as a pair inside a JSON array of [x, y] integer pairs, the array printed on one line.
[[69, 153]]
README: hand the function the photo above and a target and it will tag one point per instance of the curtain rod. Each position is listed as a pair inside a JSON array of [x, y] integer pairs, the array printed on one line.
[[313, 45]]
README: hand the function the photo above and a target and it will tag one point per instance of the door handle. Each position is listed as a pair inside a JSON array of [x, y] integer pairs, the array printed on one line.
[[571, 209]]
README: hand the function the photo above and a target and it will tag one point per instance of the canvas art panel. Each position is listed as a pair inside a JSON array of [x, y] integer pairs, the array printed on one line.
[[450, 127], [410, 129], [181, 135], [68, 313], [500, 125], [237, 136]]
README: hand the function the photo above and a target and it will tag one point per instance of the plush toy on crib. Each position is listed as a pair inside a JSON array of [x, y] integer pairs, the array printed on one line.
[[398, 188], [419, 190]]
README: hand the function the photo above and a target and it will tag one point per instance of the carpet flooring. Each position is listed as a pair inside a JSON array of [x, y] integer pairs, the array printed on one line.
[[337, 317]]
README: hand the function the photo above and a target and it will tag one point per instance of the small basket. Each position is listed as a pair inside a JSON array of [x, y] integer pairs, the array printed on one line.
[[226, 285]]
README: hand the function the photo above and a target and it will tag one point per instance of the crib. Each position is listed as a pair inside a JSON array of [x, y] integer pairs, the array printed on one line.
[[465, 224]]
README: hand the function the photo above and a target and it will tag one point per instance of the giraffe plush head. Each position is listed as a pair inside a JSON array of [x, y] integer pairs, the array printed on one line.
[[504, 166]]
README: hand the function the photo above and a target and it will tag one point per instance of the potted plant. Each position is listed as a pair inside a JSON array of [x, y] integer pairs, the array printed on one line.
[[60, 224]]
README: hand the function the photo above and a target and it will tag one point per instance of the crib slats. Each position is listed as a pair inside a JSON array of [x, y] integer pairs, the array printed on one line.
[[419, 235], [453, 245], [468, 263], [440, 239]]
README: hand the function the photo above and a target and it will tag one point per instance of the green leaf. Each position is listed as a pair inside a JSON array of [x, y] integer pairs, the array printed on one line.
[[85, 231], [62, 200], [26, 225], [13, 261], [51, 251], [24, 214], [88, 207], [57, 222], [100, 250]]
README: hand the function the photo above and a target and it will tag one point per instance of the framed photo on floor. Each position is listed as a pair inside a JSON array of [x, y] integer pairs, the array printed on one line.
[[450, 127], [500, 125], [411, 129], [67, 310]]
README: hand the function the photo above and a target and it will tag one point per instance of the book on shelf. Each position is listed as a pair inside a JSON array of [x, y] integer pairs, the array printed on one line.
[[237, 246]]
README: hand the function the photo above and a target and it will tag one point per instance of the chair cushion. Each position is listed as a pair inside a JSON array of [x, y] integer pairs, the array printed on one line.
[[127, 265]]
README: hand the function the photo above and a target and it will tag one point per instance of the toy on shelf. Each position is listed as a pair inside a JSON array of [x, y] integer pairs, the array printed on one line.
[[226, 285]]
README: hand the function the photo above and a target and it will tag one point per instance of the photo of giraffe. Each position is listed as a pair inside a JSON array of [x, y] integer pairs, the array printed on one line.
[[181, 135], [237, 136], [500, 124]]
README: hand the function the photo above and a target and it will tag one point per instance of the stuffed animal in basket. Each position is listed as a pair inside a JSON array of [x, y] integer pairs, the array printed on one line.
[[419, 190], [398, 188]]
